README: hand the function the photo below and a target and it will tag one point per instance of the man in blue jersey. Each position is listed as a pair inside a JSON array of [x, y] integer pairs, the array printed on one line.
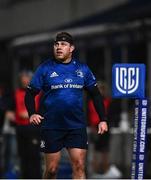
[[61, 117]]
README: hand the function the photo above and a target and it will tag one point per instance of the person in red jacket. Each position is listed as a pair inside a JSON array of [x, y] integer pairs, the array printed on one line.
[[27, 135], [101, 143]]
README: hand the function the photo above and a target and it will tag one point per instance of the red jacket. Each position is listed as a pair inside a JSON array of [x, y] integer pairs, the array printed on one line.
[[20, 106]]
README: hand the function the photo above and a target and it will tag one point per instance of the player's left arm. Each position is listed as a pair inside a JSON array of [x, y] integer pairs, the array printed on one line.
[[99, 106]]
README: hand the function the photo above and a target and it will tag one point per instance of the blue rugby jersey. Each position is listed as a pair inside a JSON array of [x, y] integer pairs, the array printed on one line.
[[62, 85]]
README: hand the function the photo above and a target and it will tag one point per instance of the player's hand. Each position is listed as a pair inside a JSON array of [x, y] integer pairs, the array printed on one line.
[[102, 127], [35, 119]]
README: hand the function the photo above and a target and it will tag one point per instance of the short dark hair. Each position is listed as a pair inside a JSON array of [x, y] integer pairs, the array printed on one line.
[[25, 72], [64, 36]]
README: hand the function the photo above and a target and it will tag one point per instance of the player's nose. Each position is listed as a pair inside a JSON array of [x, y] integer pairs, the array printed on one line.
[[59, 47]]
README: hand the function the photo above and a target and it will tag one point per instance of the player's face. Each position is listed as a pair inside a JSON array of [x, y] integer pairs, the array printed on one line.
[[63, 50], [25, 79]]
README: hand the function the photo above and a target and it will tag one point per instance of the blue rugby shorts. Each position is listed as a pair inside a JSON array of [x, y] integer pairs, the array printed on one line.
[[54, 140]]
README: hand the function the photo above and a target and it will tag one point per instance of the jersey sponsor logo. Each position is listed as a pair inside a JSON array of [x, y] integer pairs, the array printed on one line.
[[65, 86], [79, 73], [54, 74], [68, 80], [128, 80]]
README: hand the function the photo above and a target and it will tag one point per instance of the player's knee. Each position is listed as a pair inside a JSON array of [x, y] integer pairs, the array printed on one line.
[[78, 165], [51, 171]]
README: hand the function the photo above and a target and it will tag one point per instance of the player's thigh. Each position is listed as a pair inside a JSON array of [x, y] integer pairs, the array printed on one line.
[[77, 156], [52, 159]]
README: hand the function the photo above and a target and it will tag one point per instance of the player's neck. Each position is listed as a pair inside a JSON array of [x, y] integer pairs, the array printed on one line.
[[66, 61]]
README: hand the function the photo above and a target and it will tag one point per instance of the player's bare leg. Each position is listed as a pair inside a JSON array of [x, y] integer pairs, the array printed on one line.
[[77, 157], [51, 162]]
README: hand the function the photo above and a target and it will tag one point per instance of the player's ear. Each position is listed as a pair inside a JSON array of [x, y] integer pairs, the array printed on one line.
[[72, 47]]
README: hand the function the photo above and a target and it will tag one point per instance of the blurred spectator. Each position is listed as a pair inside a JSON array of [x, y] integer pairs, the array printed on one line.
[[5, 138], [117, 141], [114, 112], [101, 143], [2, 109], [27, 135], [2, 113], [10, 149]]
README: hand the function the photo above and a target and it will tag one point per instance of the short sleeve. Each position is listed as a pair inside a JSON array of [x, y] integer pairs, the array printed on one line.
[[89, 79], [37, 79]]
